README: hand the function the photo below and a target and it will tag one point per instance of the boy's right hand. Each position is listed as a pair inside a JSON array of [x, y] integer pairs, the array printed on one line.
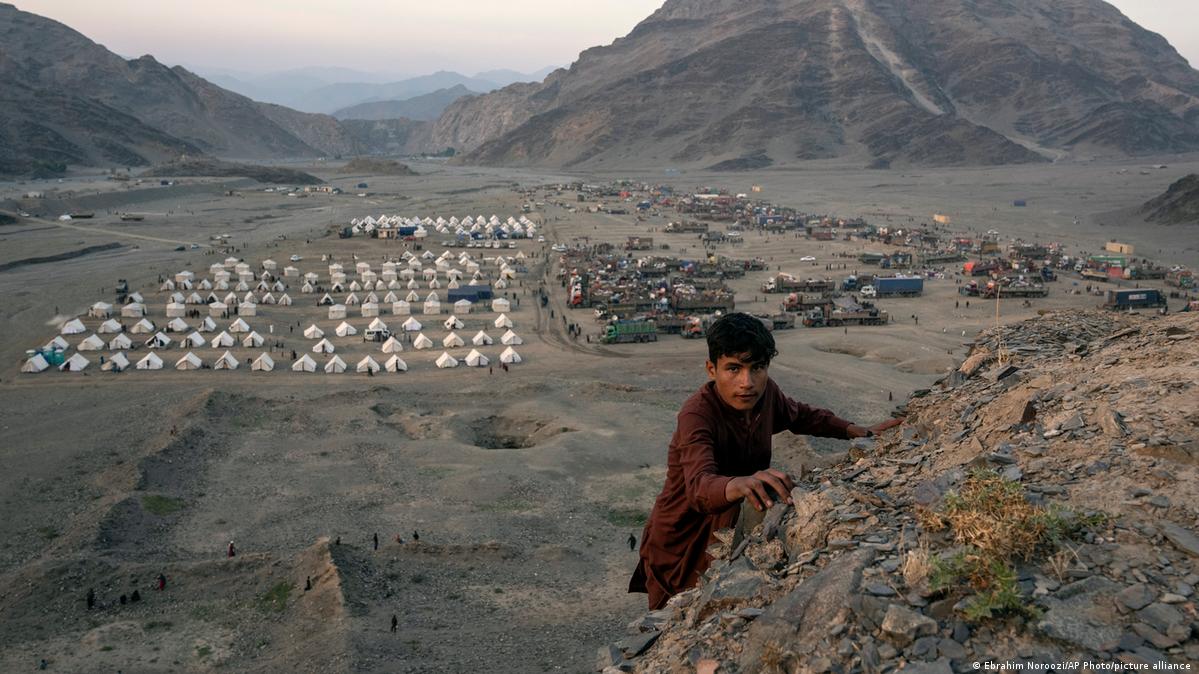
[[760, 488]]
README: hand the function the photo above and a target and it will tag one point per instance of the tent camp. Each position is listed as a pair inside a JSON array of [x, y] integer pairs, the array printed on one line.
[[73, 327], [502, 321], [150, 362], [510, 356], [476, 359], [158, 341], [345, 330], [368, 364], [445, 360], [263, 363], [392, 345], [100, 310], [76, 363], [145, 327], [421, 342], [335, 365], [481, 338], [253, 340], [91, 343], [337, 312], [225, 362], [188, 362], [120, 343], [510, 338], [452, 340], [323, 346], [313, 332], [35, 364], [109, 327], [239, 327], [304, 364], [194, 340], [501, 305], [395, 364]]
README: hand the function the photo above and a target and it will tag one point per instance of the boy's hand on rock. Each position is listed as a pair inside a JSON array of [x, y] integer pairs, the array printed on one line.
[[756, 489]]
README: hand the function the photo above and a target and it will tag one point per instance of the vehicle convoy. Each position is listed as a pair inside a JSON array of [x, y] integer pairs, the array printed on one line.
[[627, 332], [799, 302], [896, 286], [1139, 298], [833, 317], [786, 283]]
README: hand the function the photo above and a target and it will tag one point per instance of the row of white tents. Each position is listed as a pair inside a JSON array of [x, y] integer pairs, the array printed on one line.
[[264, 362], [486, 227]]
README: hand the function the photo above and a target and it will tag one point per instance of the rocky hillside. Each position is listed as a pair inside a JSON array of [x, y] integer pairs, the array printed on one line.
[[1178, 205], [67, 99], [924, 82], [1041, 508], [211, 168], [424, 108]]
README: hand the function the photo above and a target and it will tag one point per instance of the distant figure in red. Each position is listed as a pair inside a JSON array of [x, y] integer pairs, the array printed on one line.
[[162, 582], [231, 551]]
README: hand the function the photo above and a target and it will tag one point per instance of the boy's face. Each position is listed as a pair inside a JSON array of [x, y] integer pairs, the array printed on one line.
[[739, 382]]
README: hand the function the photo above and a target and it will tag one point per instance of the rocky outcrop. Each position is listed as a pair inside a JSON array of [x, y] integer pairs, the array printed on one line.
[[1086, 418], [1179, 204], [715, 83]]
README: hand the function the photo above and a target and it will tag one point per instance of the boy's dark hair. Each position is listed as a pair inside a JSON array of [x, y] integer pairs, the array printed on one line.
[[739, 334]]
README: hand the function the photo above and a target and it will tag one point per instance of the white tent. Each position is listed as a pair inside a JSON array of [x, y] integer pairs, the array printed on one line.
[[194, 340], [111, 326], [223, 341], [401, 308], [392, 345], [176, 310], [225, 362], [120, 343], [188, 362], [368, 363], [337, 311], [150, 362], [510, 338], [421, 342], [284, 300], [481, 338], [377, 324], [304, 364], [323, 346], [432, 307], [313, 332], [445, 360], [370, 310], [158, 341], [207, 325], [239, 327], [335, 365], [116, 363], [501, 305], [100, 310], [451, 340], [263, 363], [253, 340], [395, 364], [58, 343], [476, 359], [217, 309], [510, 356], [453, 323], [411, 325], [76, 363], [91, 343], [412, 297], [247, 309], [462, 307], [145, 327], [35, 364], [503, 321], [73, 327], [134, 310], [345, 330]]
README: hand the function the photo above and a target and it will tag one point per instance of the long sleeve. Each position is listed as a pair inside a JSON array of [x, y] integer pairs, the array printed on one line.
[[794, 416], [696, 447]]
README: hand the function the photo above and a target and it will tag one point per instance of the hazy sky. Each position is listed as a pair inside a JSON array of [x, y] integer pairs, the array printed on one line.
[[412, 36]]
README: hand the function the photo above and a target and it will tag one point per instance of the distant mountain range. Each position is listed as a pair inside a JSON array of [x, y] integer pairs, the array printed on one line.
[[328, 90], [422, 108], [750, 83]]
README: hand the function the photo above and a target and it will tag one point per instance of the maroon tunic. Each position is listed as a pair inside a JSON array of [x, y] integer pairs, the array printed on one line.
[[712, 444]]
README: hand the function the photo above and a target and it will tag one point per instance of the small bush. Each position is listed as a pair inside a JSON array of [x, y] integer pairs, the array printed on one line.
[[275, 599], [626, 517], [161, 505]]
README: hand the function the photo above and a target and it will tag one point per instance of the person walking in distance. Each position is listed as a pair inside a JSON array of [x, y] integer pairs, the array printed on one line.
[[395, 623], [230, 551]]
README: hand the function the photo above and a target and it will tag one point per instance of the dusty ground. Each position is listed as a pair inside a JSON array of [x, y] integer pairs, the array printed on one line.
[[522, 559]]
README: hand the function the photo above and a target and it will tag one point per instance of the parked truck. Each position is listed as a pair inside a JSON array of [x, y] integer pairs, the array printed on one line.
[[896, 286], [627, 332], [1139, 298], [980, 267], [800, 302], [786, 283], [829, 317], [1014, 291]]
